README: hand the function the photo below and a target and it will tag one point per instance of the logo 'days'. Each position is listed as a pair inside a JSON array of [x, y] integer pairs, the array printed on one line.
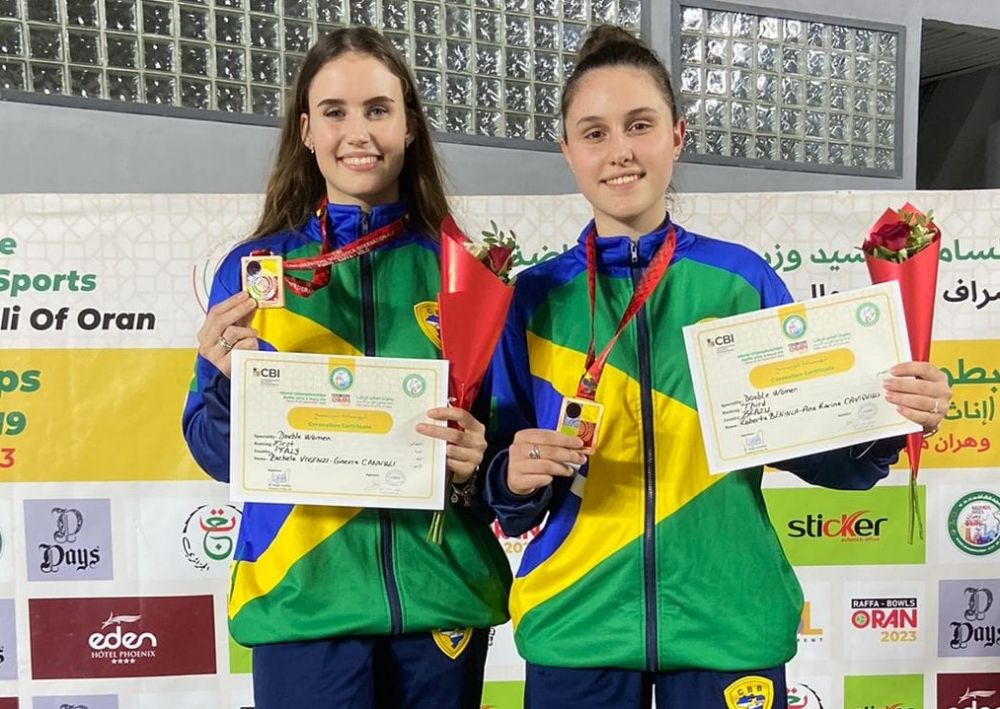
[[974, 523], [980, 600], [751, 692], [984, 637], [68, 526], [69, 522]]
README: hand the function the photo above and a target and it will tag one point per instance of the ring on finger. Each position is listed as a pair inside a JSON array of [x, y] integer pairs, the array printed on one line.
[[225, 344], [935, 409], [534, 453]]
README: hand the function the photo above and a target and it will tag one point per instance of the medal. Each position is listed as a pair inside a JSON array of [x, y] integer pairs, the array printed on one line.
[[321, 263], [263, 279], [581, 418], [581, 415]]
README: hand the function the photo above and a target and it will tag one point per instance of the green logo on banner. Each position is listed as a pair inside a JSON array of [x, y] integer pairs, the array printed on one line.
[[239, 658], [819, 527], [878, 691], [974, 523]]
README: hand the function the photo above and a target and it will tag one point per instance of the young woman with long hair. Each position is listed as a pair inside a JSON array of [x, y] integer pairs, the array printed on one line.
[[348, 607]]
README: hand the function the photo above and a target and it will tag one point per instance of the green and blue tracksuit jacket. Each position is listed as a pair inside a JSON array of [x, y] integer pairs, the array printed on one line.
[[304, 572], [646, 561]]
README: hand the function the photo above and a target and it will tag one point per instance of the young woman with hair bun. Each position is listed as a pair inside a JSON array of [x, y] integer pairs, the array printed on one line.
[[649, 575]]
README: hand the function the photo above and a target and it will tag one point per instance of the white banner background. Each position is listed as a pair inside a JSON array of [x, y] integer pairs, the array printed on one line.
[[155, 254]]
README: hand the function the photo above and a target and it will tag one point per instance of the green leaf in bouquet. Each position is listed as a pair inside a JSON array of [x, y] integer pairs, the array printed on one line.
[[890, 255]]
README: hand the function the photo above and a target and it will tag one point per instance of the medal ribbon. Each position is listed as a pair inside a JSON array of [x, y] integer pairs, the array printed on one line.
[[647, 284], [321, 263]]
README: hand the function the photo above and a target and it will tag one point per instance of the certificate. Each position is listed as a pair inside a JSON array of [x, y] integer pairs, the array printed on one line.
[[336, 430], [798, 379]]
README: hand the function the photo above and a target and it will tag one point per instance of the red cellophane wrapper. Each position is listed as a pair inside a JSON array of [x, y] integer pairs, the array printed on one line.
[[917, 277], [472, 307]]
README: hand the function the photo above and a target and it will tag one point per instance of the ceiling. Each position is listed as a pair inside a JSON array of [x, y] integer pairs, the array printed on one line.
[[948, 50]]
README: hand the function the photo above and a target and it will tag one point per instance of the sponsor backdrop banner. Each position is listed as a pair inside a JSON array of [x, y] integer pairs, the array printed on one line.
[[114, 547]]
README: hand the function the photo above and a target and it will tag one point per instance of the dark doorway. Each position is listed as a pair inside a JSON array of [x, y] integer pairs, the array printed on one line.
[[958, 138]]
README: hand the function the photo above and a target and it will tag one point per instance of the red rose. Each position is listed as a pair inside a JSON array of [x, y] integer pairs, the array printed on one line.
[[497, 258], [892, 236]]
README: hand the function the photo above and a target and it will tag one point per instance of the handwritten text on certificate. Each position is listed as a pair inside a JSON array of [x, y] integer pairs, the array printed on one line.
[[336, 430], [798, 379]]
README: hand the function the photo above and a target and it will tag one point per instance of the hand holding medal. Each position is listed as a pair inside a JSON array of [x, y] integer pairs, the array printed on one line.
[[537, 457], [581, 417], [227, 328], [263, 279]]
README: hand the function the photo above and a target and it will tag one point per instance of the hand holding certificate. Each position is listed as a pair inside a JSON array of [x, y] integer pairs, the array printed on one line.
[[336, 430], [798, 379]]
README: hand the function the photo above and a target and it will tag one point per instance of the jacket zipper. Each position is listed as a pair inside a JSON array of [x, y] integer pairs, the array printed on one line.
[[384, 516], [649, 470]]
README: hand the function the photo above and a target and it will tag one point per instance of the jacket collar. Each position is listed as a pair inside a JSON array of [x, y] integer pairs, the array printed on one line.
[[348, 222], [615, 252]]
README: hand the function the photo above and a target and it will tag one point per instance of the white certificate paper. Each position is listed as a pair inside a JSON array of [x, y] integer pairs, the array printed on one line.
[[336, 430], [798, 379]]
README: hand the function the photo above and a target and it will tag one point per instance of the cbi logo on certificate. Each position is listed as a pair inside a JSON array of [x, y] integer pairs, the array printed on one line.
[[798, 379], [336, 430]]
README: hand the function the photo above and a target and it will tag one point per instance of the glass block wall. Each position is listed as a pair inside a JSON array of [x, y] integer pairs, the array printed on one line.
[[789, 91], [488, 68]]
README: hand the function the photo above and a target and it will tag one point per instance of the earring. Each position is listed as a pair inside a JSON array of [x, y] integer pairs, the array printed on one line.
[[409, 140], [311, 148]]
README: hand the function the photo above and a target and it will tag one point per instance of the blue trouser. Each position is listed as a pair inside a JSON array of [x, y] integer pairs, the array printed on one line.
[[369, 672], [560, 687]]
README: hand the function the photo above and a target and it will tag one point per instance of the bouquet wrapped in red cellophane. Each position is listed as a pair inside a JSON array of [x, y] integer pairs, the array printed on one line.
[[904, 245], [476, 291]]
